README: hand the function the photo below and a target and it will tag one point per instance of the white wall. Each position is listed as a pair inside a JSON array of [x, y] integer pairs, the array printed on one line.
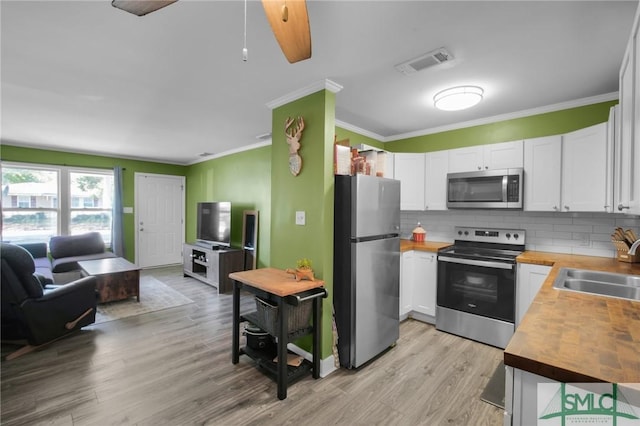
[[575, 233]]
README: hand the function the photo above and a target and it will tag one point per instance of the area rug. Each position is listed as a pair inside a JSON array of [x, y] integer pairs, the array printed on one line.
[[493, 393], [154, 296]]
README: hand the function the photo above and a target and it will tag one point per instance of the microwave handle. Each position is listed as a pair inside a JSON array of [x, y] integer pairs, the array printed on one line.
[[487, 264], [505, 185]]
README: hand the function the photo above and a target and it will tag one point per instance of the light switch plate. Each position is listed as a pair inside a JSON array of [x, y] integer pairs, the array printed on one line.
[[300, 218], [127, 210]]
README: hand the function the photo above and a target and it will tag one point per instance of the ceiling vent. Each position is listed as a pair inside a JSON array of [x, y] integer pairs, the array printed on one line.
[[264, 137], [427, 60]]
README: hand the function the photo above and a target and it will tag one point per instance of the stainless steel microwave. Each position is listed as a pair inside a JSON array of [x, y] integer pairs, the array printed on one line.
[[487, 189]]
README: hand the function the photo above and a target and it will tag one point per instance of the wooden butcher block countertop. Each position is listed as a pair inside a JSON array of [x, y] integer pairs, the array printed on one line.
[[433, 246], [576, 337]]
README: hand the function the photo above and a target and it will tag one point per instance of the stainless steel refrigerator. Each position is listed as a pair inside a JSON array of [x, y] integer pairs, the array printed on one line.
[[366, 274]]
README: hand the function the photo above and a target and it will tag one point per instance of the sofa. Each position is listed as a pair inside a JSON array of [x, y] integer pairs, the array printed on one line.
[[65, 252]]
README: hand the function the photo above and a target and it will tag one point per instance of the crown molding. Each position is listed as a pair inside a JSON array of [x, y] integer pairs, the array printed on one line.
[[509, 116], [325, 84], [231, 152], [359, 130]]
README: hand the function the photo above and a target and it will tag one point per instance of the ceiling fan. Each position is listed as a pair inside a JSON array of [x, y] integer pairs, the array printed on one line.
[[288, 18]]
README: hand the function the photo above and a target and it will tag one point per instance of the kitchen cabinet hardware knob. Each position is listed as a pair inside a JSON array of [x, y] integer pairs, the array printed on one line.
[[142, 229], [555, 208], [621, 207], [566, 207], [486, 167], [426, 207], [479, 168]]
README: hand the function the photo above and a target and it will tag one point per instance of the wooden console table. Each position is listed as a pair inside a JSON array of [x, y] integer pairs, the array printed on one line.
[[280, 287]]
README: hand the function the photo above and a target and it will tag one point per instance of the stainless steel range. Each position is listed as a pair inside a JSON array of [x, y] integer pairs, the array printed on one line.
[[477, 284]]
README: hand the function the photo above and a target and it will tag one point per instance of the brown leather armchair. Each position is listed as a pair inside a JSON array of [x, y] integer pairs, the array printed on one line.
[[38, 313]]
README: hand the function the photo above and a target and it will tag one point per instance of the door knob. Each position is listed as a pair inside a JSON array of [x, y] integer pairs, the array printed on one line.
[[142, 229]]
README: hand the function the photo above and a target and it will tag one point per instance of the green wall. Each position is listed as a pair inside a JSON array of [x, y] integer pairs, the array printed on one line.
[[552, 123], [310, 191], [41, 156], [245, 180], [357, 139]]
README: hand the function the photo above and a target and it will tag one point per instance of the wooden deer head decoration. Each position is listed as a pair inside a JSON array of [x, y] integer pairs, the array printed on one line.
[[293, 128]]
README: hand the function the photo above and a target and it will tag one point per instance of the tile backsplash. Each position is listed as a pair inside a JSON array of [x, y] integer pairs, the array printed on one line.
[[576, 233]]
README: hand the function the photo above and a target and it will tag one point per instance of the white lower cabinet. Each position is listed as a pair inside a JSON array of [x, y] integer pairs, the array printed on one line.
[[521, 396], [418, 281], [406, 283], [424, 289], [528, 282]]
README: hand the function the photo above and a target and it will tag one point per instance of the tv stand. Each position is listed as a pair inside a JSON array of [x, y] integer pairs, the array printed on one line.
[[212, 264]]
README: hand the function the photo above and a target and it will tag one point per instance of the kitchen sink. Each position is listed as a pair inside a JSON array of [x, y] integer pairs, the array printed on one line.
[[600, 283]]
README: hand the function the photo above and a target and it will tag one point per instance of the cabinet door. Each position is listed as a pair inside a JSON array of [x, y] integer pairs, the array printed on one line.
[[466, 159], [424, 290], [503, 155], [626, 151], [634, 199], [529, 281], [406, 282], [542, 171], [584, 170], [435, 184], [409, 170]]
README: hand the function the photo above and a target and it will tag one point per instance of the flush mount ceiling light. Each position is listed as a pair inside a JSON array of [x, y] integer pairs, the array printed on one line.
[[458, 98]]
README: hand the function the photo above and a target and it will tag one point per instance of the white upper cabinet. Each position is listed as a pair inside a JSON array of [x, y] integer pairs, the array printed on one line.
[[584, 170], [435, 184], [466, 159], [627, 152], [486, 157], [409, 170], [542, 173]]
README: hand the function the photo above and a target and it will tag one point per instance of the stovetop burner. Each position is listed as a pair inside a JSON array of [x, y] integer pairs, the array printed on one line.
[[487, 244]]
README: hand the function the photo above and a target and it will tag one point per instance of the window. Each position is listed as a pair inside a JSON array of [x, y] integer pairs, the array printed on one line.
[[31, 211]]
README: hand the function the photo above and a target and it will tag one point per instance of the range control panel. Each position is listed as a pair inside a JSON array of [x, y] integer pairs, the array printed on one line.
[[490, 235]]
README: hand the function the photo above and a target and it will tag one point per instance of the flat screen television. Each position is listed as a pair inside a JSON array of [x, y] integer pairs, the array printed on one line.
[[214, 224]]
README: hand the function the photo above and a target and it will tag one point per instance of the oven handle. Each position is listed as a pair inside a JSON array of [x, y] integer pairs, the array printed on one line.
[[485, 263]]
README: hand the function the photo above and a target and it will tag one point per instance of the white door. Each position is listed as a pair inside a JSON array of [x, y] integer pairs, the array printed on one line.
[[468, 159], [504, 155], [584, 170], [159, 207], [435, 184], [542, 169], [409, 170], [425, 281]]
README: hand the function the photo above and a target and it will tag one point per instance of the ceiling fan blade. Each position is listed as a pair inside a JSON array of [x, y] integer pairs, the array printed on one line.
[[290, 24], [141, 7]]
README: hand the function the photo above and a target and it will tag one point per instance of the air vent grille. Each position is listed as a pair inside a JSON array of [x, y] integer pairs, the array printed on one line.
[[425, 61]]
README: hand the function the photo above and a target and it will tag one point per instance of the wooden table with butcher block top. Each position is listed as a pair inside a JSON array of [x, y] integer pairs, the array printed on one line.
[[116, 278], [281, 288]]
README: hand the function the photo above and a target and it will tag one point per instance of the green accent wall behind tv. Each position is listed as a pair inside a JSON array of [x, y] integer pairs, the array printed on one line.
[[245, 180]]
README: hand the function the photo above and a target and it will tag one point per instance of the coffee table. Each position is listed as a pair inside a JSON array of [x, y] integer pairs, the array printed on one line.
[[117, 278]]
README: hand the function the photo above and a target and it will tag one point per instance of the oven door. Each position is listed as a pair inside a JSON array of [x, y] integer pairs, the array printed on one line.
[[479, 287]]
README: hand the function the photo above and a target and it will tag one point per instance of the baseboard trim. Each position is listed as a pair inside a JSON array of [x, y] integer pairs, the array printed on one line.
[[327, 365]]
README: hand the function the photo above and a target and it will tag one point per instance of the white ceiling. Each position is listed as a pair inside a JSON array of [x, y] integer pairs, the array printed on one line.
[[84, 76]]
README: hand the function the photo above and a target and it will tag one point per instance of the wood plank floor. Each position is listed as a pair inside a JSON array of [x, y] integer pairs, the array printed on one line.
[[173, 367]]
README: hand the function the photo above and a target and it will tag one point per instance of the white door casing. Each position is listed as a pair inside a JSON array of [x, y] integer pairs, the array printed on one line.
[[159, 219]]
